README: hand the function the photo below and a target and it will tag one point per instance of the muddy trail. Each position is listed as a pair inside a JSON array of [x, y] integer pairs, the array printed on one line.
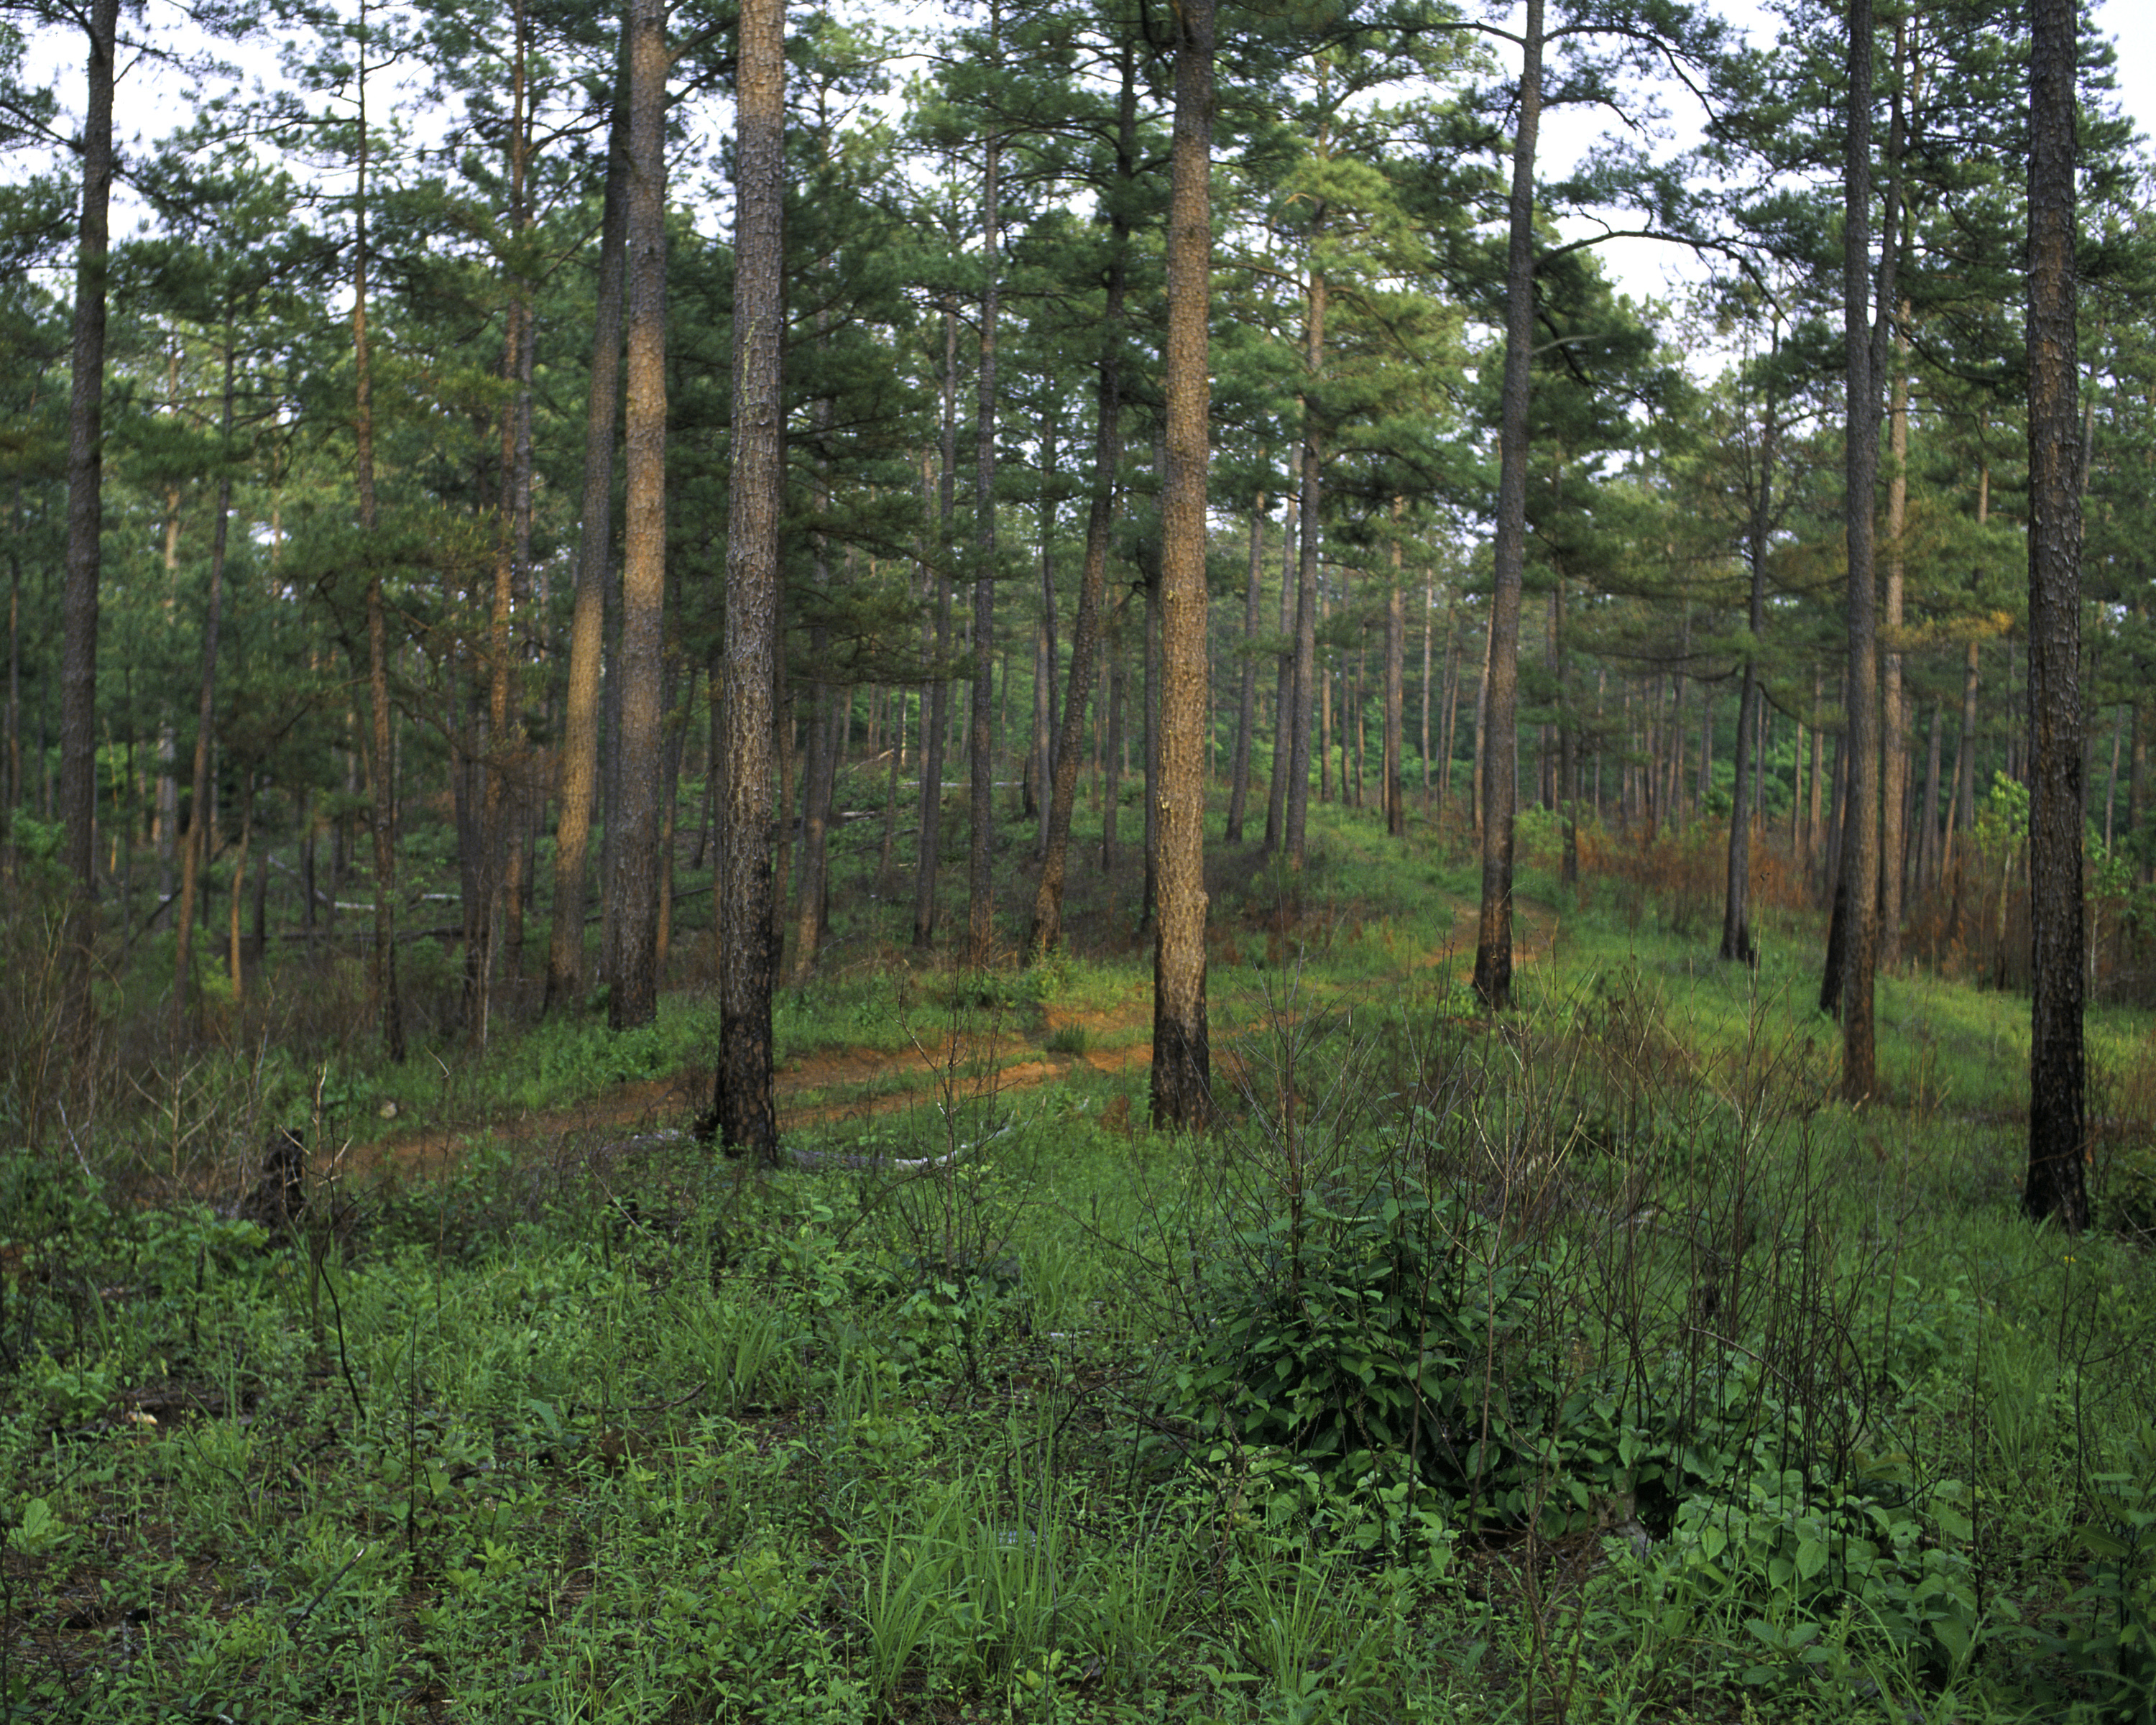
[[829, 1086]]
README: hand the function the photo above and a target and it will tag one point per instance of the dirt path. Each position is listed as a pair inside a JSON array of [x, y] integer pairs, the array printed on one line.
[[824, 1086]]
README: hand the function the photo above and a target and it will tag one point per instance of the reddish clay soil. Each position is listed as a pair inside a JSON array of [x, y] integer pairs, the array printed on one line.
[[814, 1087]]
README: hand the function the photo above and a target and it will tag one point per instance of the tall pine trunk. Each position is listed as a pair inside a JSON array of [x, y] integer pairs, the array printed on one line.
[[86, 519], [1085, 628], [1500, 742], [381, 765], [580, 737], [633, 995], [2053, 1187], [980, 883], [744, 1107], [1182, 1086], [1246, 694]]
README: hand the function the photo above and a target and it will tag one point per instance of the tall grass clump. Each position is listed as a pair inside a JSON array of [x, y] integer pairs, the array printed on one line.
[[1547, 1279]]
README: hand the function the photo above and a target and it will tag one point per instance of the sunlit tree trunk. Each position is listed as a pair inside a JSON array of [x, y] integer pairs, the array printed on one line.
[[580, 734], [1182, 1086], [633, 994]]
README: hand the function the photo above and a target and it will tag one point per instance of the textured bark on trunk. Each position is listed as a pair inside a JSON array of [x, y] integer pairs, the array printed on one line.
[[1111, 789], [195, 857], [2053, 1188], [980, 882], [1149, 712], [1307, 507], [1493, 940], [1396, 630], [744, 1108], [1893, 716], [1246, 694], [381, 768], [498, 760], [1284, 688], [936, 737], [633, 994], [580, 734], [1856, 912], [1181, 1087], [1736, 913], [85, 521], [1046, 935]]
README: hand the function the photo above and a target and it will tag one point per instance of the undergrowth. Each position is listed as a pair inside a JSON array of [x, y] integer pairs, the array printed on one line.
[[1550, 1369]]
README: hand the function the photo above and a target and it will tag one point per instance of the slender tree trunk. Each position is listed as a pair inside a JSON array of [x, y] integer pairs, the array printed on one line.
[[235, 963], [632, 998], [1111, 794], [1493, 942], [2053, 1188], [1047, 931], [580, 738], [85, 521], [1284, 701], [1735, 917], [980, 884], [1308, 511], [744, 1106], [381, 765], [1858, 885], [937, 738], [1429, 605], [1396, 628], [1246, 704], [1927, 838], [1149, 712], [1181, 1083], [1894, 718], [1041, 771], [194, 858]]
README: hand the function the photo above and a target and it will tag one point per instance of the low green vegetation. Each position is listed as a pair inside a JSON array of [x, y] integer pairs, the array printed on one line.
[[1591, 1364]]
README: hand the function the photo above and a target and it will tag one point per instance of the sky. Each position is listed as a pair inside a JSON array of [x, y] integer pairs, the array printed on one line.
[[150, 105], [1647, 269]]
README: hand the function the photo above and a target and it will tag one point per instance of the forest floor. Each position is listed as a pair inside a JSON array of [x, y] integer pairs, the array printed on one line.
[[830, 1085]]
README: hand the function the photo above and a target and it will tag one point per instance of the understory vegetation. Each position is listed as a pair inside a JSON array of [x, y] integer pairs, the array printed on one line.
[[1590, 1363]]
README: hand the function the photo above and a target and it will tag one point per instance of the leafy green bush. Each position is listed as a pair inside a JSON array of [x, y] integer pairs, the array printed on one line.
[[1357, 1329]]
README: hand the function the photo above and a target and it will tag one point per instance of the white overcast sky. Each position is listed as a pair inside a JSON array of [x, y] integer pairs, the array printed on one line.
[[151, 105]]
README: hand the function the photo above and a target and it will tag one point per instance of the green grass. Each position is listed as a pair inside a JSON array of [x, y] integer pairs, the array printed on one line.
[[1598, 1364]]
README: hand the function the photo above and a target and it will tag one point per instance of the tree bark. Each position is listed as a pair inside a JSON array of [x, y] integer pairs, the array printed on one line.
[[980, 884], [633, 996], [935, 732], [1047, 933], [1396, 629], [744, 1106], [1493, 942], [580, 737], [1246, 702], [1284, 687], [381, 765], [2054, 1188], [195, 856], [1736, 914], [1307, 510], [1182, 1085], [1894, 719], [1858, 888], [85, 521]]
